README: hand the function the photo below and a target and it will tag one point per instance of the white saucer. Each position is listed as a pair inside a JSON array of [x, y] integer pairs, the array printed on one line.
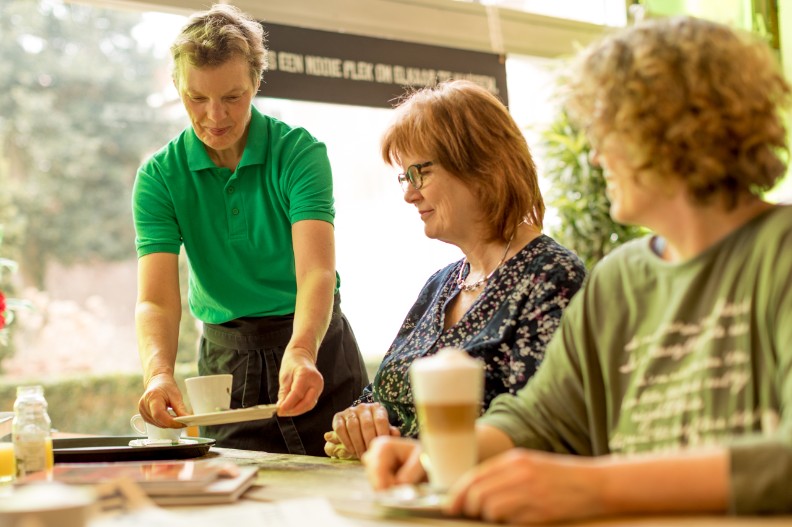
[[413, 498], [160, 442], [238, 415]]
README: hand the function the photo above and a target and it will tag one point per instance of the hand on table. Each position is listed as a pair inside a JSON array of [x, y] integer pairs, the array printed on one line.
[[394, 461], [523, 487], [300, 383], [162, 393], [516, 487], [355, 428], [335, 448]]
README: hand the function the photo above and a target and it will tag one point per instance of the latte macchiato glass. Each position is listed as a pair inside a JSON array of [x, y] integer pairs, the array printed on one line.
[[447, 390]]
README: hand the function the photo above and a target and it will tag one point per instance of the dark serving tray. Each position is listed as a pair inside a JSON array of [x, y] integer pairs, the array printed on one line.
[[116, 448]]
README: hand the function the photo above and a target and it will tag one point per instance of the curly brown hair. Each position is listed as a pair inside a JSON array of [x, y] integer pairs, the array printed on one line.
[[469, 132], [212, 37], [696, 99]]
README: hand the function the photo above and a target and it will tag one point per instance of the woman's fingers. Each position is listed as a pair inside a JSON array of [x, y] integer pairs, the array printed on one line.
[[381, 424], [340, 428], [357, 426], [352, 423], [392, 460]]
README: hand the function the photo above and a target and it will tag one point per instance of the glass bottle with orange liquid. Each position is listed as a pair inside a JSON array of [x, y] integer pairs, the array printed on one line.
[[31, 431], [7, 466]]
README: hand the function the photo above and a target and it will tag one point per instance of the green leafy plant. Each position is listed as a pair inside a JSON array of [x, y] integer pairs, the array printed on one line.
[[577, 192]]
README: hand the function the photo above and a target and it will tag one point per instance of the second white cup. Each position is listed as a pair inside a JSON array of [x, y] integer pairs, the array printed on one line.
[[209, 393]]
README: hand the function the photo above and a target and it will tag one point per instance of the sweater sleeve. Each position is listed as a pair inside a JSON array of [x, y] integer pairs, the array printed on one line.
[[761, 465], [366, 397], [761, 471], [548, 292]]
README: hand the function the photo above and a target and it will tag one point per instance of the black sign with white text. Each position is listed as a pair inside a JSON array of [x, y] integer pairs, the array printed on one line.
[[312, 65]]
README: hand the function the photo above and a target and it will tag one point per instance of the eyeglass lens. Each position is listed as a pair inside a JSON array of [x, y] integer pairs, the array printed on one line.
[[415, 176]]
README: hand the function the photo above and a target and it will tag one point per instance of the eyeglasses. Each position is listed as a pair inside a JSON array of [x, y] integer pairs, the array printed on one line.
[[413, 176]]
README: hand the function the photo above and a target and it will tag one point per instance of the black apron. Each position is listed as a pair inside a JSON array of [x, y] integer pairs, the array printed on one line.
[[251, 349]]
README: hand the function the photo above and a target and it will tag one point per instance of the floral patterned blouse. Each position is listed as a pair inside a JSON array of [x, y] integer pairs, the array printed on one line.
[[507, 327]]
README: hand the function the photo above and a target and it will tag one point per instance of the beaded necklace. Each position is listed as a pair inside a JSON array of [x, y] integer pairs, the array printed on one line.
[[463, 286]]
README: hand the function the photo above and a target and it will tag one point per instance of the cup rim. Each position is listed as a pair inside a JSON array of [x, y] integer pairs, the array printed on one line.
[[216, 375]]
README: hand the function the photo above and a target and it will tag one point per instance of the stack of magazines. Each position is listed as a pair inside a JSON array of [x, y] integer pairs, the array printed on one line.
[[165, 482]]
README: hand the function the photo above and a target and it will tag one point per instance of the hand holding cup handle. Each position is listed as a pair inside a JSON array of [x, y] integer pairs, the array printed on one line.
[[155, 433], [161, 400], [138, 424]]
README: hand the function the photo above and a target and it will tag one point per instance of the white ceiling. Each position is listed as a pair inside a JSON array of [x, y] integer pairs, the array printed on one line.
[[437, 22]]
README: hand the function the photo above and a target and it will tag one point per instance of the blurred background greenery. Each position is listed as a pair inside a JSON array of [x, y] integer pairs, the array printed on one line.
[[90, 404], [577, 193]]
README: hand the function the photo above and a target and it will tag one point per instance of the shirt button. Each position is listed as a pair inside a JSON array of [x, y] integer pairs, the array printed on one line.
[[230, 190], [235, 211]]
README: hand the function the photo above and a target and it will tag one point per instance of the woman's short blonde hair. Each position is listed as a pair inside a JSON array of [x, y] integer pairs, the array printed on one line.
[[695, 99], [469, 132], [210, 38]]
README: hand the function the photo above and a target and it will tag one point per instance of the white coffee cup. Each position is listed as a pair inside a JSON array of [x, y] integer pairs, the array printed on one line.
[[154, 433], [447, 391], [209, 393]]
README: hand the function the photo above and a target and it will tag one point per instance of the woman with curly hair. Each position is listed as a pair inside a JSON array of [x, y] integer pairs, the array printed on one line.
[[668, 386]]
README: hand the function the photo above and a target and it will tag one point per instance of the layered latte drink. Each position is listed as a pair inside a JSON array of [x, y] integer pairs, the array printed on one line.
[[447, 390]]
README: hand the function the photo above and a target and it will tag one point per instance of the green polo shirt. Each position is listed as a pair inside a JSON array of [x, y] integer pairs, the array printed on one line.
[[235, 226]]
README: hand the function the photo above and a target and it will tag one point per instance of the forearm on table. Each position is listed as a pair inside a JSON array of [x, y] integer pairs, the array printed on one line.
[[312, 310], [158, 336], [695, 481], [491, 441]]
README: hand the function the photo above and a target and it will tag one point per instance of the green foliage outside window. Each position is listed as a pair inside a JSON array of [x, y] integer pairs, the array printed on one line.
[[90, 404], [74, 126], [75, 123]]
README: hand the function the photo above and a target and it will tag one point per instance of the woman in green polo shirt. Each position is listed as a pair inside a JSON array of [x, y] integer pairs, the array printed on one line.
[[250, 198]]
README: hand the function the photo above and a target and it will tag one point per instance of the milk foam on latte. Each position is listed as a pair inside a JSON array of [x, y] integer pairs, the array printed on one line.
[[447, 390]]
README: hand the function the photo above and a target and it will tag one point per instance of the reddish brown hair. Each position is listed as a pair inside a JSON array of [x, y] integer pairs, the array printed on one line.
[[469, 132]]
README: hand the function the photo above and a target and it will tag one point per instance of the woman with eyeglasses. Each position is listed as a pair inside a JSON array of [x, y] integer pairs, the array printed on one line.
[[469, 174]]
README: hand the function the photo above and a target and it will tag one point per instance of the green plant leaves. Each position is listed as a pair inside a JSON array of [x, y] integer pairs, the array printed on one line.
[[577, 192]]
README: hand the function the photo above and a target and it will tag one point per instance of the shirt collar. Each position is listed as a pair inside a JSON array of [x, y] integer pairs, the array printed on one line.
[[198, 159], [257, 136]]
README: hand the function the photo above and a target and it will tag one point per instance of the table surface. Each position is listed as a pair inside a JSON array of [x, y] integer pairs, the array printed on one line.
[[344, 485]]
